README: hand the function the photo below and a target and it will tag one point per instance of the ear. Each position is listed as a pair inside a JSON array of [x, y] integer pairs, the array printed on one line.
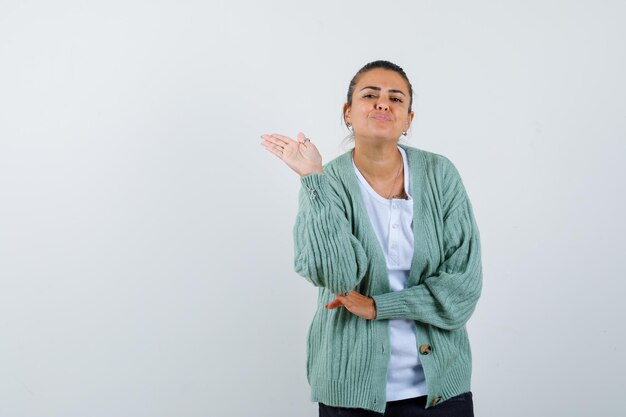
[[411, 116], [346, 113]]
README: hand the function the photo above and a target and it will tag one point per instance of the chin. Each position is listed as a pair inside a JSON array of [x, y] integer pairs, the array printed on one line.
[[378, 140], [385, 136]]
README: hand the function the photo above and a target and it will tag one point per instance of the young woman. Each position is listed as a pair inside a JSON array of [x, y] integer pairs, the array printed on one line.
[[387, 232]]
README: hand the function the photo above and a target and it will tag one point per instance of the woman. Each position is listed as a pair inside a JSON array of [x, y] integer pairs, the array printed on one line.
[[387, 233]]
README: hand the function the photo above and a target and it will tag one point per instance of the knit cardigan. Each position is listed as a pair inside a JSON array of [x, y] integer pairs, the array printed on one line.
[[337, 250]]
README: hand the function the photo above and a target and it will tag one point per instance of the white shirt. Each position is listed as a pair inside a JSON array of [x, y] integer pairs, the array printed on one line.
[[392, 223]]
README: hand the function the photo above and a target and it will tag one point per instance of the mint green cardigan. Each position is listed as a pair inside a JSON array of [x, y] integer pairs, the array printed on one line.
[[337, 250]]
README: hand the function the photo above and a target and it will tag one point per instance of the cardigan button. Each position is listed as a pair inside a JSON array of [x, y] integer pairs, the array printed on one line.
[[425, 349], [436, 400]]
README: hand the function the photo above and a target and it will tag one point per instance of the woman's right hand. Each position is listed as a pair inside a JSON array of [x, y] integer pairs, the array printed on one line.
[[300, 155]]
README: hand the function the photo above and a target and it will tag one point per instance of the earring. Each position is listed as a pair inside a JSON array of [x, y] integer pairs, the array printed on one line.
[[349, 126], [404, 133]]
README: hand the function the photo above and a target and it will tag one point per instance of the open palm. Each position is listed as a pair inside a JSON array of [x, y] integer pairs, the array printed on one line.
[[300, 155]]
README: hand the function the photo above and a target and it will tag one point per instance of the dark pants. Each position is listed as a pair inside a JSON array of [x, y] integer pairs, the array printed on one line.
[[459, 406]]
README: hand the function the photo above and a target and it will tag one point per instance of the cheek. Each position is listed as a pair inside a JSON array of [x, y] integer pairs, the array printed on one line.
[[404, 117]]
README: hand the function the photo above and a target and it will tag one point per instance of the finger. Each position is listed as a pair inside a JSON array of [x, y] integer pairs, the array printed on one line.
[[278, 154], [334, 304], [285, 139], [275, 141], [275, 150], [301, 137], [271, 145]]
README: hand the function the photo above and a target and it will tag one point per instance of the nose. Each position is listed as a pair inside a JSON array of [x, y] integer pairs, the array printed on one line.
[[382, 104]]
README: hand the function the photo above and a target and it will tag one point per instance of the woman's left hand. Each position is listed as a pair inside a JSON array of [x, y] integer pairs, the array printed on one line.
[[356, 303]]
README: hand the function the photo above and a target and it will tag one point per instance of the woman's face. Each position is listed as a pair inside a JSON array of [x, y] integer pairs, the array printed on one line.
[[380, 106]]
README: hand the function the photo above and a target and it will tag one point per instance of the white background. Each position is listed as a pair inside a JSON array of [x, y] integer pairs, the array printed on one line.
[[145, 235]]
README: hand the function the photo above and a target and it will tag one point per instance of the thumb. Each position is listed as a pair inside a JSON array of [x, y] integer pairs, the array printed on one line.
[[301, 137]]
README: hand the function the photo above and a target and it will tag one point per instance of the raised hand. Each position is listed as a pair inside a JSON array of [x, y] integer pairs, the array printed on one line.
[[300, 155]]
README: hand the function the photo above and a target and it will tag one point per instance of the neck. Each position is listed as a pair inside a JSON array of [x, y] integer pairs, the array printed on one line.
[[377, 161]]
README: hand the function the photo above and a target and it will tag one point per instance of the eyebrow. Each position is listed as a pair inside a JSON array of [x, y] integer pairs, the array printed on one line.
[[371, 87]]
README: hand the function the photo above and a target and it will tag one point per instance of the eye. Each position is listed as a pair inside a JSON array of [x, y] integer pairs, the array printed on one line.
[[369, 96], [396, 99]]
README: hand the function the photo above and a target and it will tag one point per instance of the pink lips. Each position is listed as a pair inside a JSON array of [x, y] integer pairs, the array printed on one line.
[[381, 117]]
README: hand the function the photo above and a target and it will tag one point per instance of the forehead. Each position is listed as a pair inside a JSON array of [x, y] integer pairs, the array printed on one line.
[[385, 79]]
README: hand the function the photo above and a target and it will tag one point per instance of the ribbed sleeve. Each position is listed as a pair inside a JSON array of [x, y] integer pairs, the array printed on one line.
[[447, 298], [326, 252]]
